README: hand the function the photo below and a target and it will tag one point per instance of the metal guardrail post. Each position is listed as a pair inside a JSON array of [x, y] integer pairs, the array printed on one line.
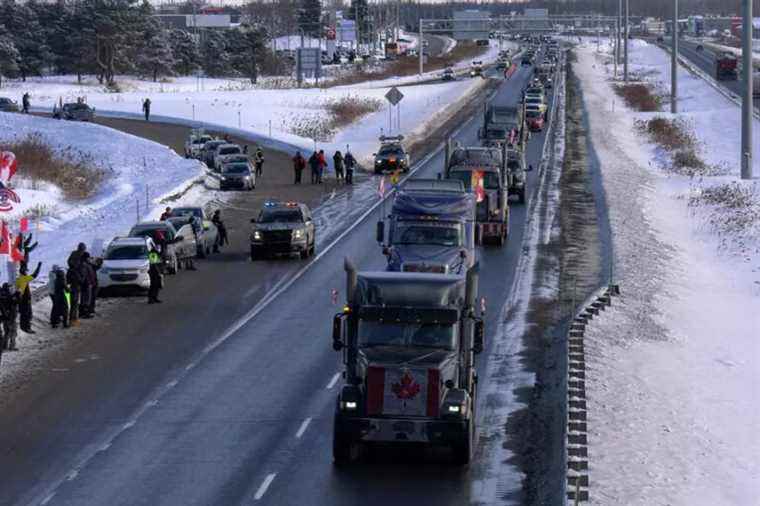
[[747, 105]]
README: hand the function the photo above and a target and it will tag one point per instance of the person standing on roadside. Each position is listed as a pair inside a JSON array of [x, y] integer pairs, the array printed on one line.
[[74, 280], [349, 163], [25, 103], [154, 273], [314, 167], [25, 295], [146, 109], [258, 160], [221, 236], [299, 164], [90, 280], [338, 163], [322, 164], [60, 311], [9, 311], [166, 214]]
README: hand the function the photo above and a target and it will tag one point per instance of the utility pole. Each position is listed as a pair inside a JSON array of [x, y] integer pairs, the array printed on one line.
[[625, 45], [747, 90], [619, 28], [674, 62], [421, 52], [398, 21], [616, 56]]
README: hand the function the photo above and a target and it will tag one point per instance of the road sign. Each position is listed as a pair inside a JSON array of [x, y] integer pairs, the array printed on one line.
[[394, 96], [346, 30], [308, 62]]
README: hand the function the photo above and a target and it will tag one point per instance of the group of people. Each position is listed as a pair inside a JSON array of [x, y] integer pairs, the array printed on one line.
[[344, 166], [73, 291]]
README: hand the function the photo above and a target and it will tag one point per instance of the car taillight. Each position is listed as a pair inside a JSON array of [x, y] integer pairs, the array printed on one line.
[[433, 392], [375, 390]]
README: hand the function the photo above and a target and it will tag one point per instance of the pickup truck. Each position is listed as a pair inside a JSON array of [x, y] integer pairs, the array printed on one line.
[[726, 66], [205, 231]]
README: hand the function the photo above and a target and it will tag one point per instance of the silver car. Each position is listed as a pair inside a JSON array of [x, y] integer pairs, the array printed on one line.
[[223, 152], [237, 175], [75, 112]]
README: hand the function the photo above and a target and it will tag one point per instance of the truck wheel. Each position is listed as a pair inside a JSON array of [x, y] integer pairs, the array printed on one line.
[[254, 254], [344, 450], [462, 450], [174, 267], [522, 195]]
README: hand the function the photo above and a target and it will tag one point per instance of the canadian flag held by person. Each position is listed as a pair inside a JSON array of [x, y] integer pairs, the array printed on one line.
[[8, 166], [9, 246]]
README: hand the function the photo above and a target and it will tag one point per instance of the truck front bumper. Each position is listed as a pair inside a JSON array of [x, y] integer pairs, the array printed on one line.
[[432, 431], [492, 229]]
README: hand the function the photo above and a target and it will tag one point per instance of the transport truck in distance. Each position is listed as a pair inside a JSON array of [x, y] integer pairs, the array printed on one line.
[[408, 342]]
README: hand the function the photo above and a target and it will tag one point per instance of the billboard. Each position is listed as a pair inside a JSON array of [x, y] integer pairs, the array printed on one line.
[[346, 30], [471, 24]]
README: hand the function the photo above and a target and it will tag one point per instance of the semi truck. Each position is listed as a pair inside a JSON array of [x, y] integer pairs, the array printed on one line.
[[516, 174], [499, 118], [482, 170], [726, 67], [431, 228], [408, 342]]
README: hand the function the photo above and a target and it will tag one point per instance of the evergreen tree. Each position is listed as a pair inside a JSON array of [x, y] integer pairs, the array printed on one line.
[[184, 51], [310, 17], [246, 47], [359, 12], [154, 56], [9, 56], [214, 57], [28, 37]]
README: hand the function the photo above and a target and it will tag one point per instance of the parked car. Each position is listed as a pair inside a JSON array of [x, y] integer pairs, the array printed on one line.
[[534, 117], [448, 74], [178, 245], [8, 105], [537, 102], [125, 263], [194, 144], [391, 156], [209, 151], [205, 231], [76, 111], [237, 175], [222, 152]]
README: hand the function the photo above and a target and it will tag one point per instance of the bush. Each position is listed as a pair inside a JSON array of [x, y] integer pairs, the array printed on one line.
[[73, 171], [638, 96], [670, 134], [346, 110]]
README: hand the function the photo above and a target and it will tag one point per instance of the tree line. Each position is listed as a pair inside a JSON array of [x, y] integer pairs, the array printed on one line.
[[110, 37]]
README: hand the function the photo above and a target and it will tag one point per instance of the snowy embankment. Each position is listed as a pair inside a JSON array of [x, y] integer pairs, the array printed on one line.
[[138, 171], [674, 366], [266, 115]]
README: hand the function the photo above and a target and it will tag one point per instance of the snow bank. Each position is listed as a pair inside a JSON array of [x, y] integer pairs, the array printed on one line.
[[674, 365], [138, 172]]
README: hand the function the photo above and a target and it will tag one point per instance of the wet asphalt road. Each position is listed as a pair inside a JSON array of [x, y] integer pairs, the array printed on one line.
[[230, 402], [705, 60]]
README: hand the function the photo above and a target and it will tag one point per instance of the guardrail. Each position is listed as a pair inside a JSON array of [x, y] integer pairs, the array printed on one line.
[[576, 436]]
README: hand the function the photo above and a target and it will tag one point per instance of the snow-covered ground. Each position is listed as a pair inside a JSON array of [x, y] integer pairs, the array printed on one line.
[[222, 102], [138, 170], [673, 367]]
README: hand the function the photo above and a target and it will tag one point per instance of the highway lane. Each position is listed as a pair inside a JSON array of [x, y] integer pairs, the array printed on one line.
[[705, 60], [251, 417]]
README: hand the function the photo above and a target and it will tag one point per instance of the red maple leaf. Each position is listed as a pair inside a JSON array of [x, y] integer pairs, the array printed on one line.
[[406, 388]]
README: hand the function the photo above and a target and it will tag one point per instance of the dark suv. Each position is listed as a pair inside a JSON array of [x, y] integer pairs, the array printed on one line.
[[283, 228], [391, 156]]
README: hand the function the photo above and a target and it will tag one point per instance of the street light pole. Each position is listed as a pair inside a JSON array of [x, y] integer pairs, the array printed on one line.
[[747, 105], [674, 62], [625, 44], [420, 49]]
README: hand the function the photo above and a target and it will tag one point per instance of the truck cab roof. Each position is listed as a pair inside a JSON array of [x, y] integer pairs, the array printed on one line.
[[410, 289], [422, 184]]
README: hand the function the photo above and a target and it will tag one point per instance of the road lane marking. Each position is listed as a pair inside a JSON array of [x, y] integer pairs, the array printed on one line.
[[47, 499], [129, 424], [333, 381], [172, 384], [72, 475], [190, 366], [264, 486], [303, 427]]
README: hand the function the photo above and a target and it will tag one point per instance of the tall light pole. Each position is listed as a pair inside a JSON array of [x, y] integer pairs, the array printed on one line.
[[674, 62], [625, 44], [747, 90]]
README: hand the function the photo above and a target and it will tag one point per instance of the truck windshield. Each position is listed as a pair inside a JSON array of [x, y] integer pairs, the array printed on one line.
[[490, 179], [437, 234], [420, 335]]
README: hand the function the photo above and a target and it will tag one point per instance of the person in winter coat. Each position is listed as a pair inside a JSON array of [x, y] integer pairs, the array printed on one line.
[[349, 163], [322, 165], [25, 294], [146, 109], [154, 272], [258, 160], [299, 164], [166, 214], [25, 103], [221, 237], [314, 167], [59, 293], [74, 280], [9, 302], [89, 281], [338, 163]]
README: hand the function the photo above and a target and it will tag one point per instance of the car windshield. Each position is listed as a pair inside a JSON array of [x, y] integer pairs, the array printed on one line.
[[534, 100], [496, 133], [532, 113], [408, 335], [127, 252], [235, 168], [77, 107], [181, 211], [230, 151], [490, 179], [476, 157], [201, 140], [437, 234], [151, 232], [390, 150], [281, 216]]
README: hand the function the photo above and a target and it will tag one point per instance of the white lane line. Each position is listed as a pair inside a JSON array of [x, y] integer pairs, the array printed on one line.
[[189, 366], [129, 424], [264, 486], [333, 381], [105, 447], [72, 475], [47, 499], [303, 427], [172, 384]]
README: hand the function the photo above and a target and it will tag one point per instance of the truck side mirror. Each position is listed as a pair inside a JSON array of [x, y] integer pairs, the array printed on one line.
[[481, 133], [380, 232], [478, 337], [253, 220], [337, 334]]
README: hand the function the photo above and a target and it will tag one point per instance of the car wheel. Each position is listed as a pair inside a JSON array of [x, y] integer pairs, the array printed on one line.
[[254, 254], [462, 449], [522, 195], [174, 267], [304, 254]]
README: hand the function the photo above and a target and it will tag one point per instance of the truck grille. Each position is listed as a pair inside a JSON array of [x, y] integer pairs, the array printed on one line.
[[421, 267], [277, 235], [121, 278]]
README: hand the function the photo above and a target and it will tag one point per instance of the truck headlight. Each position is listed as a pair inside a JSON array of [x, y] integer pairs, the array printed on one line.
[[454, 409], [257, 235], [348, 405], [378, 162], [298, 234]]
